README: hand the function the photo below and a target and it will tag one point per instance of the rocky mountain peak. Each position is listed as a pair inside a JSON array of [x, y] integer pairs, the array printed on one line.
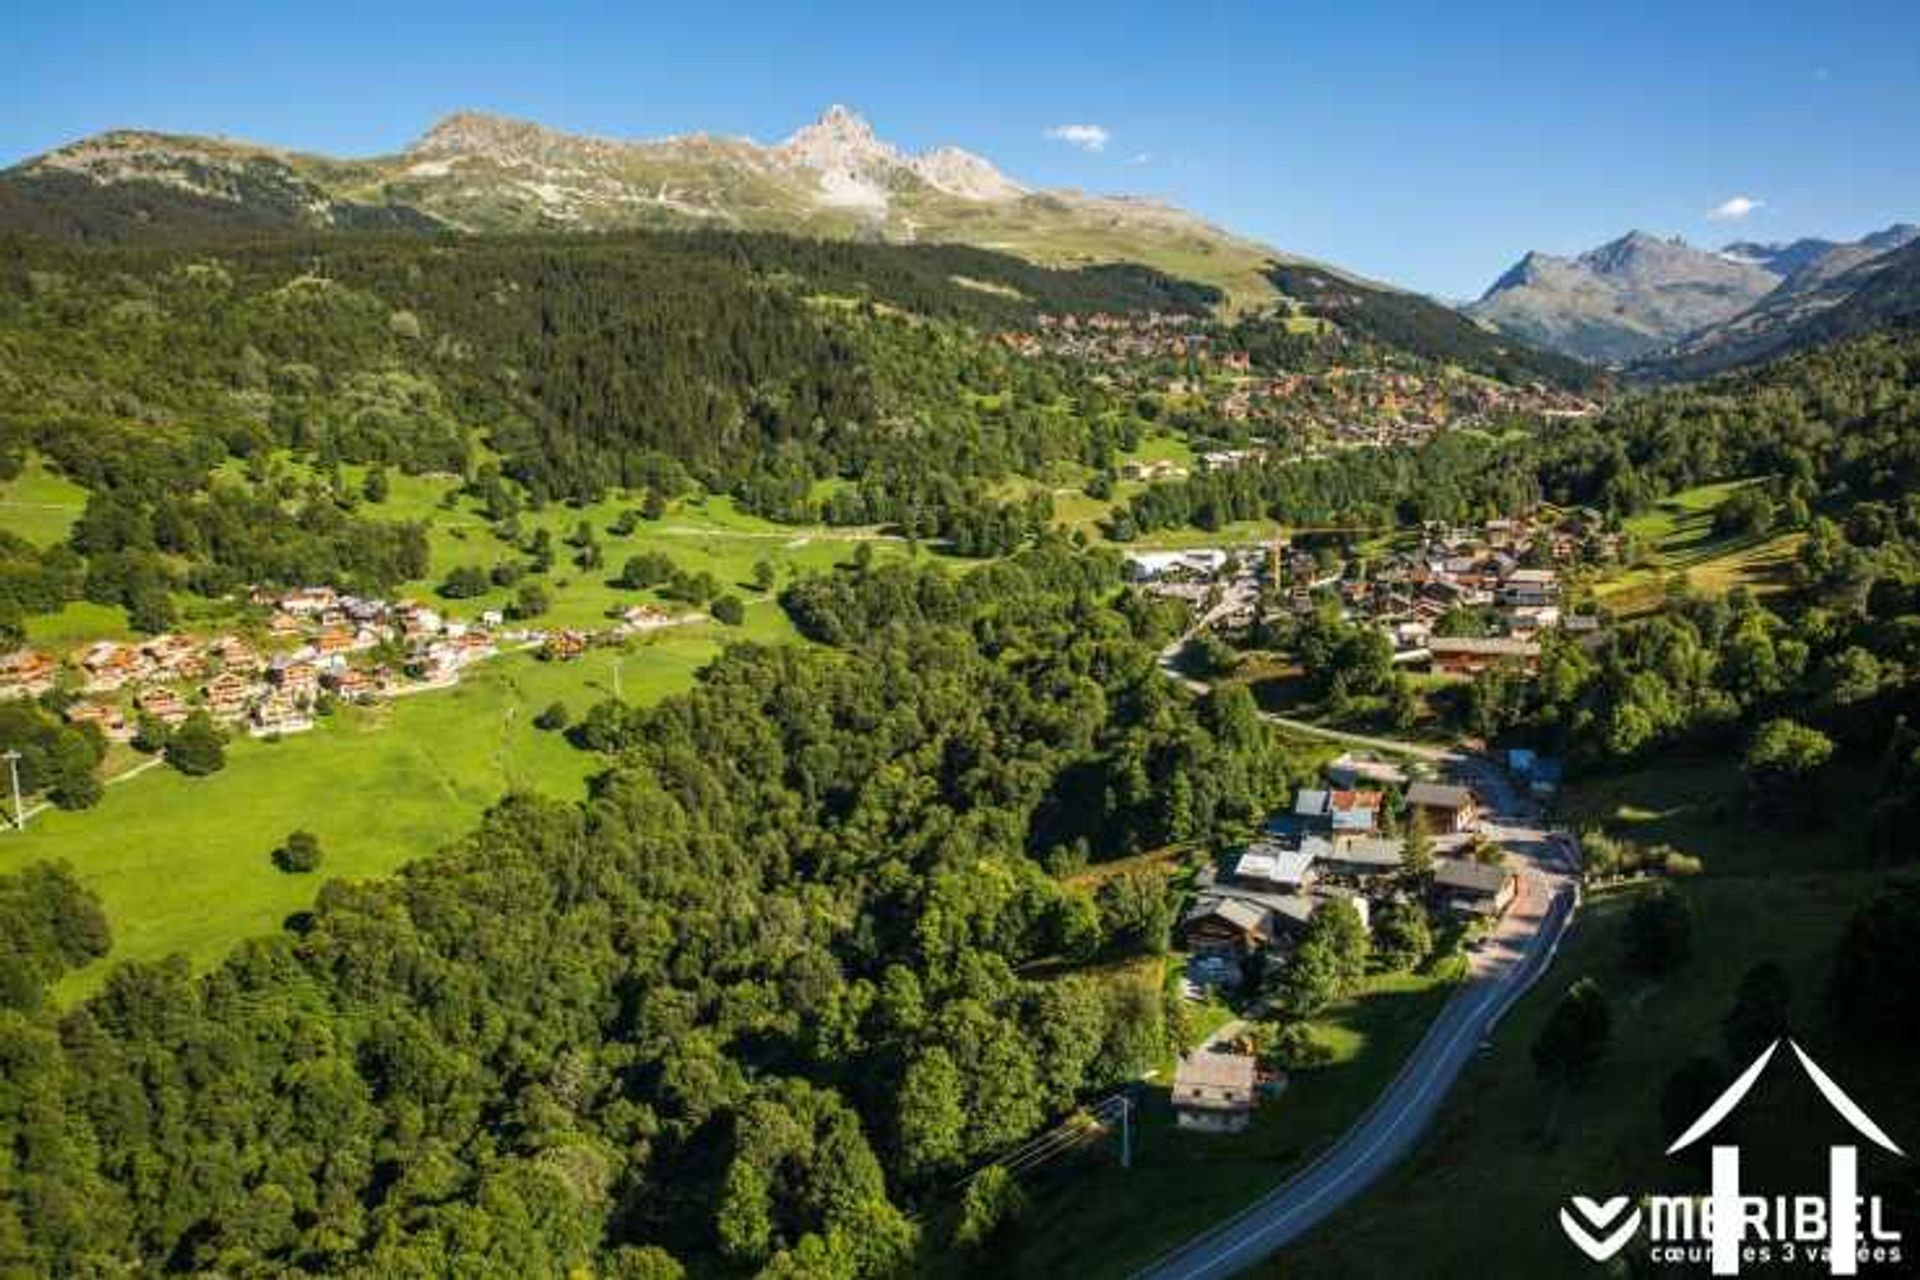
[[840, 140], [1532, 267], [480, 133], [1632, 249], [965, 174]]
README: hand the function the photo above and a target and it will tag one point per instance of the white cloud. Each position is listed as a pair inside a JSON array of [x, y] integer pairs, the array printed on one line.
[[1140, 157], [1734, 208], [1087, 137]]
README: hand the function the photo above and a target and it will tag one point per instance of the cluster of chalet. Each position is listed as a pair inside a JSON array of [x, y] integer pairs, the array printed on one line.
[[1510, 567], [316, 640], [1113, 339], [1332, 845]]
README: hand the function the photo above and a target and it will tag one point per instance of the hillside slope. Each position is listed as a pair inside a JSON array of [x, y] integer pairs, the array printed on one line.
[[1423, 327]]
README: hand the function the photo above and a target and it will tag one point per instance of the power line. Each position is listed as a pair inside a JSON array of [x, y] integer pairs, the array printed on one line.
[[1076, 1131]]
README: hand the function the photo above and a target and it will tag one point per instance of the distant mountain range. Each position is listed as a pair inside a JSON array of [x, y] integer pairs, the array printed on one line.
[[483, 173], [1835, 298], [1636, 297]]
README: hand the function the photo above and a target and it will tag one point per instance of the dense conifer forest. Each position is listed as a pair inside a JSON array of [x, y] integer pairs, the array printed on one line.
[[756, 1000]]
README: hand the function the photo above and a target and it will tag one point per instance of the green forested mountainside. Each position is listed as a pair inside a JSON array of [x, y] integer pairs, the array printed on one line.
[[1409, 322], [750, 1005], [1839, 423], [72, 206], [755, 365]]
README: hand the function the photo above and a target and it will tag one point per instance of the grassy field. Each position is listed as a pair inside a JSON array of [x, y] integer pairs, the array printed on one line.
[[1480, 1195], [1091, 233], [1680, 541], [39, 505], [708, 534], [1096, 1219], [182, 864]]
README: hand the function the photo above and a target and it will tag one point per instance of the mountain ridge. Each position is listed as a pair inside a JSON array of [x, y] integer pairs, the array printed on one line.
[[1849, 290], [1620, 299], [477, 171]]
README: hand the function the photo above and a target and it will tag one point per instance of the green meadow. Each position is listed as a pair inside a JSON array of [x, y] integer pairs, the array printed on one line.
[[183, 864], [40, 505], [1679, 540]]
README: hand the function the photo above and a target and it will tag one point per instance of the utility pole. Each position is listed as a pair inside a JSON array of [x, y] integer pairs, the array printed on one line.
[[1126, 1131], [19, 811]]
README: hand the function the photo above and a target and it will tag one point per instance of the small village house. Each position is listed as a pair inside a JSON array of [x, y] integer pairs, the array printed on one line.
[[1233, 927], [163, 704], [228, 695], [102, 716], [1445, 808], [1470, 888], [1469, 655], [1524, 588], [27, 673], [1362, 857], [1214, 1092], [1268, 865]]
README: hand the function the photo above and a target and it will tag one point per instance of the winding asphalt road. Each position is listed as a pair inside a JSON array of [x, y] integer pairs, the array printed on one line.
[[1397, 1118], [1507, 963]]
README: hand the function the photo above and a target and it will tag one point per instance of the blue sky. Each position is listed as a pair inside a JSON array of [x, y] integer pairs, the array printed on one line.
[[1424, 143]]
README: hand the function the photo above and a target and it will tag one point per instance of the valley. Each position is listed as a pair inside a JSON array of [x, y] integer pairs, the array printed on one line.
[[821, 709]]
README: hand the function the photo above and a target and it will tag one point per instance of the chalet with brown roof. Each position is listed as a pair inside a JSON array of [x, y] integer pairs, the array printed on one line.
[[334, 640], [110, 666], [1354, 812], [179, 657], [564, 646], [309, 600], [279, 714], [235, 654], [1472, 888], [295, 678], [27, 673], [228, 695], [1214, 1092], [103, 716], [1446, 809], [1469, 655], [163, 704], [354, 684]]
